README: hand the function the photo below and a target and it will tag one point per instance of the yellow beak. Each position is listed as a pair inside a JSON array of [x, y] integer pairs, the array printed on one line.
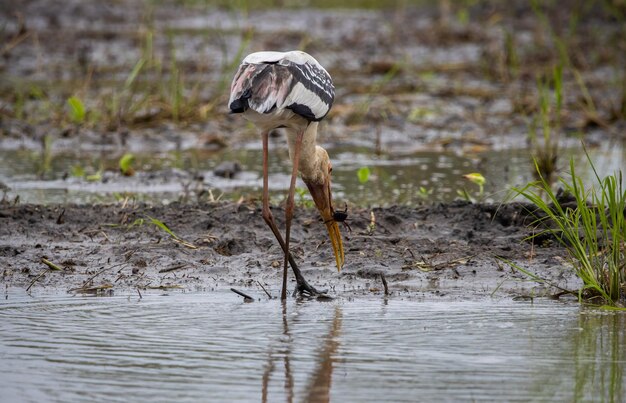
[[323, 201]]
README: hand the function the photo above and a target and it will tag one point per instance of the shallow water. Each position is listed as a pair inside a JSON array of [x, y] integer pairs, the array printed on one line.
[[397, 177], [214, 347]]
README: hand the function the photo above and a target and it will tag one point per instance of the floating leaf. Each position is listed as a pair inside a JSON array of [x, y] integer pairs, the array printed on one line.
[[363, 174]]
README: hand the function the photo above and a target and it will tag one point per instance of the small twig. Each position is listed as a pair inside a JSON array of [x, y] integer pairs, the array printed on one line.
[[60, 219], [185, 243], [14, 42], [246, 297], [129, 254], [268, 294], [102, 270], [90, 279], [385, 286], [37, 278], [173, 268], [163, 286], [139, 292], [92, 290], [51, 265]]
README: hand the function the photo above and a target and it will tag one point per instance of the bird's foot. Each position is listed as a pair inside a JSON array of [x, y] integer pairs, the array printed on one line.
[[304, 289]]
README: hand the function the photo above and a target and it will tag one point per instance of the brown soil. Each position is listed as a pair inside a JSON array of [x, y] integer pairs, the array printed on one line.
[[443, 250], [407, 79]]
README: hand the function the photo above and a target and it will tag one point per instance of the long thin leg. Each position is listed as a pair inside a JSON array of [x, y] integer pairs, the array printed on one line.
[[290, 207], [303, 286], [267, 213]]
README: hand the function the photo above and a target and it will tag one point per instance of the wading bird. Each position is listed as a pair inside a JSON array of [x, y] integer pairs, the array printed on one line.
[[291, 90]]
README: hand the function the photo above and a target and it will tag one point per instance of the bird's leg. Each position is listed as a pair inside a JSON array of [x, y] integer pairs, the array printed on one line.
[[303, 285], [267, 213], [290, 208]]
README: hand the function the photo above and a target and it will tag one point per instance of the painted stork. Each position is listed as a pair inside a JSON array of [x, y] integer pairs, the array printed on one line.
[[291, 90]]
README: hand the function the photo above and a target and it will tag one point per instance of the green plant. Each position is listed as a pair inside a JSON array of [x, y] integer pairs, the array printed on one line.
[[77, 110], [593, 229], [126, 164], [511, 55], [160, 224], [89, 173], [424, 193], [477, 179], [45, 162], [548, 121], [363, 174], [464, 194], [302, 200], [96, 177], [77, 171], [463, 16], [375, 92]]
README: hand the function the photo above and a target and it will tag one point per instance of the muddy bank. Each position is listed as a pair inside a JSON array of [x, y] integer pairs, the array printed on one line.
[[411, 81], [439, 251]]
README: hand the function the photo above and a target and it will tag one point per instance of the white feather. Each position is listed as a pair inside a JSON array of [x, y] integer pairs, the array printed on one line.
[[303, 96], [264, 57], [294, 56]]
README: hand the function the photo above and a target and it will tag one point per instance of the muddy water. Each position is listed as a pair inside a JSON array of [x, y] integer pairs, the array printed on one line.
[[396, 178], [214, 347]]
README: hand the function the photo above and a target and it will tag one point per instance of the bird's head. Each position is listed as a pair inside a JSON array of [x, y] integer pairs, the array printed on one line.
[[318, 183]]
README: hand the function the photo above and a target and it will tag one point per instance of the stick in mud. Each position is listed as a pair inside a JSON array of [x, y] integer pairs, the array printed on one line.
[[266, 292], [246, 297], [37, 278], [173, 268], [60, 218], [382, 277]]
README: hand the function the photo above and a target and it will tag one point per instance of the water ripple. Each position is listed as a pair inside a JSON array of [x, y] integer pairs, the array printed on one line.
[[213, 347]]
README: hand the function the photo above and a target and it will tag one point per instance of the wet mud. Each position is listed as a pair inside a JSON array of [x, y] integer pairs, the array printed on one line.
[[408, 79], [454, 250]]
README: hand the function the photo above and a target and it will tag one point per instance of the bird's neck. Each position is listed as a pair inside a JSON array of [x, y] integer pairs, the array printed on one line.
[[310, 153]]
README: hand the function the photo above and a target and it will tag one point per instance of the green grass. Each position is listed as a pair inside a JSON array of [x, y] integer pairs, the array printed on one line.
[[547, 121], [592, 227]]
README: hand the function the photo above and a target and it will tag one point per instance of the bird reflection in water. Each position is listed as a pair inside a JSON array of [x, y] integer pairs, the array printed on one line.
[[320, 380]]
